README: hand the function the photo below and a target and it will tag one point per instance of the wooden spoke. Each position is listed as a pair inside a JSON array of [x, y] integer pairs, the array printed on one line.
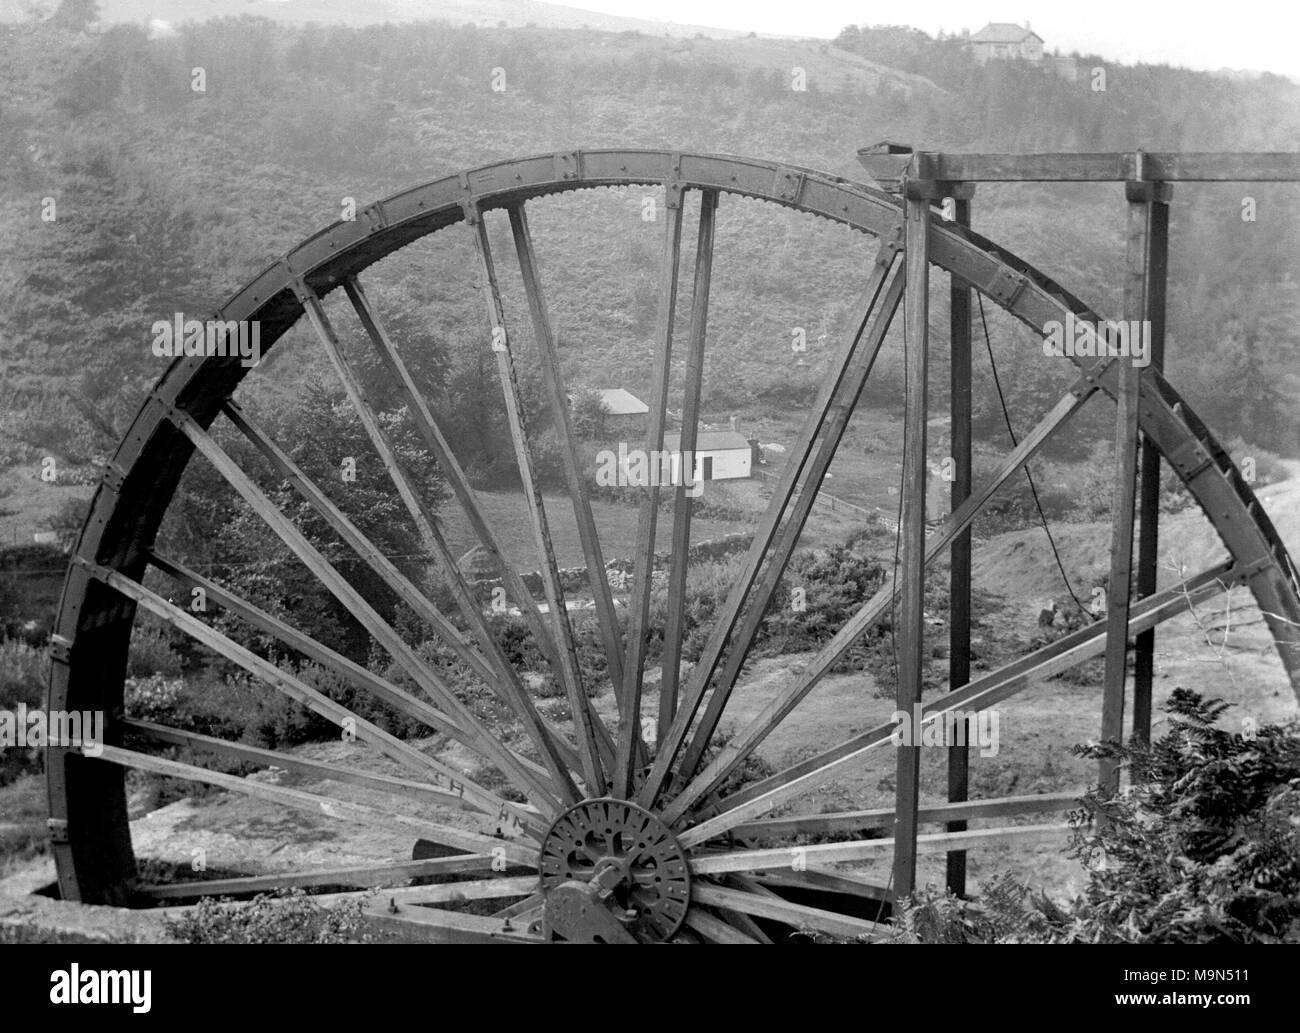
[[883, 817], [455, 892], [474, 733], [824, 881], [1052, 659], [780, 706], [561, 416], [451, 468], [438, 925], [516, 851], [787, 537], [674, 630], [405, 787], [506, 681], [348, 670], [629, 706], [520, 907], [435, 771], [800, 916], [714, 929], [821, 854], [570, 674], [380, 874], [786, 487]]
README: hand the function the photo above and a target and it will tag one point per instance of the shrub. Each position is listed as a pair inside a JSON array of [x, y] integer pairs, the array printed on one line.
[[287, 917], [1203, 848]]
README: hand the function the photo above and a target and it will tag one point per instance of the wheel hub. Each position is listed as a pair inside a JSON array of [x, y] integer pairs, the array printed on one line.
[[626, 859]]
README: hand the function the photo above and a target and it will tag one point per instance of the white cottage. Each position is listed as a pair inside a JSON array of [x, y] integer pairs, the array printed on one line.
[[720, 455]]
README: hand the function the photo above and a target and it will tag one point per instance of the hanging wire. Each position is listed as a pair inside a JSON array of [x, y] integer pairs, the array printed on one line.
[[1006, 416]]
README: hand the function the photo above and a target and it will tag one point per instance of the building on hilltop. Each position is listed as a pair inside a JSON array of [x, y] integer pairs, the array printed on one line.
[[1006, 41]]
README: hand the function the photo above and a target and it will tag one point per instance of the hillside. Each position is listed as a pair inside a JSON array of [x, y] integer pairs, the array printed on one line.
[[168, 199]]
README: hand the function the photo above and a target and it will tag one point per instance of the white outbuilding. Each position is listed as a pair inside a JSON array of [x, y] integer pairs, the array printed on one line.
[[720, 455]]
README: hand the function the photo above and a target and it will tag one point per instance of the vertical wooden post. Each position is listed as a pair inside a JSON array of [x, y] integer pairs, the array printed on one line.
[[1155, 289], [959, 578], [1122, 500], [909, 618]]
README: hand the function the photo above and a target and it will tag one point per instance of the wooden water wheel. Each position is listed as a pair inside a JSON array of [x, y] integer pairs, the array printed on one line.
[[627, 831]]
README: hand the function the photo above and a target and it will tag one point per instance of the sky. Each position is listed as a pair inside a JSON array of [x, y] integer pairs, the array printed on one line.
[[1259, 35]]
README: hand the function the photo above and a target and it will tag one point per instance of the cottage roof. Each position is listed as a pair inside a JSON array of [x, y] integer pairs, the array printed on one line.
[[709, 441], [1004, 32], [622, 403]]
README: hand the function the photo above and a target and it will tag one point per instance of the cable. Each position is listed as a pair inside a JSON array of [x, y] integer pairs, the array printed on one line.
[[1006, 416]]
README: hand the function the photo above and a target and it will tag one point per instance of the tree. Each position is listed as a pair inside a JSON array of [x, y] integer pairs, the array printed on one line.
[[75, 15], [589, 412]]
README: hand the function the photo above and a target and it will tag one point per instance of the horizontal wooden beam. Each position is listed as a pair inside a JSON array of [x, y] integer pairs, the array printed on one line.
[[1156, 166], [883, 817], [820, 854]]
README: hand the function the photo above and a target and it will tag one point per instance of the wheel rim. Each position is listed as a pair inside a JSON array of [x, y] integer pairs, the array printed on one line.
[[88, 805]]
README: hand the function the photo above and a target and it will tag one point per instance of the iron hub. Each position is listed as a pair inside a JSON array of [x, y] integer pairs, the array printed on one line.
[[635, 862]]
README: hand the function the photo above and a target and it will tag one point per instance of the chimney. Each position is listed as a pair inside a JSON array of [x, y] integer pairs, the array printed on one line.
[[1028, 27]]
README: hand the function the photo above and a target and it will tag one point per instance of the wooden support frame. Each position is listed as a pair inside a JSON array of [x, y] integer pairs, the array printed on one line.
[[959, 575], [1155, 288], [1113, 167], [1123, 498], [909, 620]]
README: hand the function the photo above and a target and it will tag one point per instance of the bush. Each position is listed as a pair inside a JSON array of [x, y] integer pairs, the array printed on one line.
[[287, 917], [1204, 848]]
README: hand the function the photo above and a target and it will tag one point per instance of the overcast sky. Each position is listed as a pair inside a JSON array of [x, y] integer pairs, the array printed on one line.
[[1247, 34]]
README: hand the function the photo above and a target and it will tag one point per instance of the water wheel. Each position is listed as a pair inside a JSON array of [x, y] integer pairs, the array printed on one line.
[[626, 829]]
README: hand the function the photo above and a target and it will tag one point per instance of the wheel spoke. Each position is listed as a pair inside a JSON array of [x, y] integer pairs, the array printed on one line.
[[1061, 655], [515, 851], [421, 791], [475, 734], [718, 640], [800, 916], [378, 874], [578, 490], [883, 817], [346, 669], [585, 720], [438, 773], [821, 854], [714, 929], [505, 680], [674, 630], [451, 468], [776, 710], [629, 707], [788, 535]]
